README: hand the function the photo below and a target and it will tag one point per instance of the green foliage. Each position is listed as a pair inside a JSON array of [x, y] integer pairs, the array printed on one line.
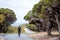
[[40, 10], [12, 29], [7, 17], [2, 18], [36, 8], [42, 16], [32, 27], [7, 13], [23, 26], [28, 16]]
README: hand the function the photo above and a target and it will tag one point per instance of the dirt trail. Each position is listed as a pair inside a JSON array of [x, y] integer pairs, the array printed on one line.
[[43, 36]]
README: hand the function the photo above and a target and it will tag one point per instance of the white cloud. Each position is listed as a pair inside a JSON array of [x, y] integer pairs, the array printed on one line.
[[20, 7]]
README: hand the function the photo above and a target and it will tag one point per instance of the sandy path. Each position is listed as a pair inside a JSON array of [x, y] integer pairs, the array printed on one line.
[[43, 36], [2, 38]]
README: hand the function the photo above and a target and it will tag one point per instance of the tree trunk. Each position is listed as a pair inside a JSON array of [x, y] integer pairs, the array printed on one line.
[[49, 30], [48, 27], [56, 16], [38, 25]]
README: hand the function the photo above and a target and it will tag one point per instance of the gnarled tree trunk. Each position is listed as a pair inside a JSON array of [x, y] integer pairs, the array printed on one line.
[[56, 16]]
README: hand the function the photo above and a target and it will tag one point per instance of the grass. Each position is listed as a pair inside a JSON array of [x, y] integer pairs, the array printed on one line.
[[22, 28], [13, 29]]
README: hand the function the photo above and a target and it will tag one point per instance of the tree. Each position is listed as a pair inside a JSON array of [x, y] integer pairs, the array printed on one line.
[[36, 22], [50, 11], [54, 13], [7, 17], [28, 16]]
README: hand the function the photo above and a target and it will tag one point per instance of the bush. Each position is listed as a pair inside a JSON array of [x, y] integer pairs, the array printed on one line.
[[32, 27], [12, 29]]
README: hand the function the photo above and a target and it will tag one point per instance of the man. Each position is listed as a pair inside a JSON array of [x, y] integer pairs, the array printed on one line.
[[19, 31]]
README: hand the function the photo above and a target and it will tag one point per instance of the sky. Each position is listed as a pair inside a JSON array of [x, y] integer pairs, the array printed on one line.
[[20, 7]]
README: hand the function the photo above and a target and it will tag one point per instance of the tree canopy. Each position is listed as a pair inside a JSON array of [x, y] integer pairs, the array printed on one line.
[[45, 9], [7, 17]]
